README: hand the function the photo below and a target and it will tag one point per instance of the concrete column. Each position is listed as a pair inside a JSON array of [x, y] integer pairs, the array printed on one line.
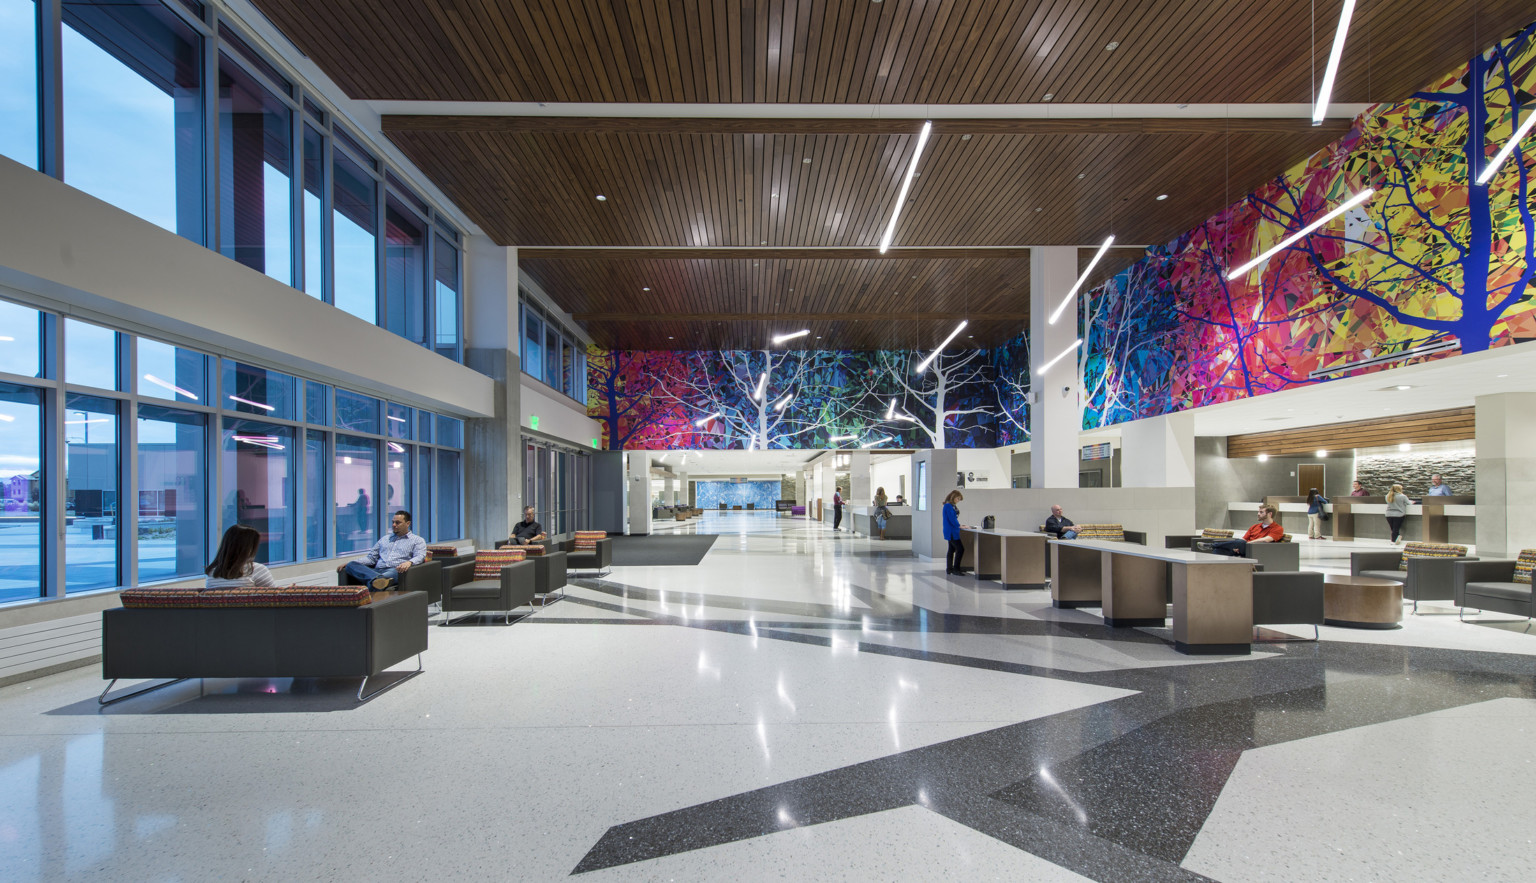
[[934, 471], [493, 479], [1506, 474], [822, 489], [860, 490], [1055, 417], [1158, 451], [683, 497], [639, 472], [669, 490], [802, 488]]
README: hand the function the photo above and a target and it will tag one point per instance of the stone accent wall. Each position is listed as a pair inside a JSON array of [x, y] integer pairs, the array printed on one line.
[[1412, 471], [787, 489]]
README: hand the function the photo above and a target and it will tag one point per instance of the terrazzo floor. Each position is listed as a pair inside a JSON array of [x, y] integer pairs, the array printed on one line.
[[802, 705]]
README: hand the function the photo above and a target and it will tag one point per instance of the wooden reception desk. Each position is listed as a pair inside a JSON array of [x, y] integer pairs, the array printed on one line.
[[1014, 557]]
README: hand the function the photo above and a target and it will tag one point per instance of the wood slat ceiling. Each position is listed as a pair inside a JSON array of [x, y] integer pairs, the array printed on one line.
[[711, 190], [900, 52], [738, 303], [1455, 424]]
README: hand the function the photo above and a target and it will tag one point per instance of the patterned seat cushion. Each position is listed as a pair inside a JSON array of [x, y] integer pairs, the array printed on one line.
[[1430, 550], [159, 597], [586, 540], [489, 562], [256, 596], [1524, 565], [532, 550], [287, 596], [442, 552], [1215, 533], [1101, 532]]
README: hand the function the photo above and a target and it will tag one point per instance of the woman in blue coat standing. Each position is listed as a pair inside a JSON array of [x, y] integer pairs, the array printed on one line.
[[952, 533]]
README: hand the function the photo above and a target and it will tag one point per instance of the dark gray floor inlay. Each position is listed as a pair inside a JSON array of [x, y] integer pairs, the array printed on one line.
[[1112, 791]]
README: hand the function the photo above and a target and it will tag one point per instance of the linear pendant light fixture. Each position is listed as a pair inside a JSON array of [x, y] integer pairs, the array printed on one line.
[[780, 338], [1288, 241], [1514, 140], [784, 401], [879, 441], [923, 365], [1056, 313], [842, 438], [1064, 353], [1320, 107], [901, 198], [703, 420], [762, 384]]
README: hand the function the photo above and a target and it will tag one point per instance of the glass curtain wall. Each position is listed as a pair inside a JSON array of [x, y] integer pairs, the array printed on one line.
[[133, 110], [170, 113], [551, 354], [556, 482], [276, 462], [18, 82]]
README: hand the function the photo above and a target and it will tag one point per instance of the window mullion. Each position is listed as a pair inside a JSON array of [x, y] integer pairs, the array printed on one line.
[[50, 79]]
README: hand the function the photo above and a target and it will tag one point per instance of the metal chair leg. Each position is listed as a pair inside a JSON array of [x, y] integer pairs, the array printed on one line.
[[104, 701], [360, 687]]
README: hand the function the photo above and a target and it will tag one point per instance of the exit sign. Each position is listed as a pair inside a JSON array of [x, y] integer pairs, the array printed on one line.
[[533, 421]]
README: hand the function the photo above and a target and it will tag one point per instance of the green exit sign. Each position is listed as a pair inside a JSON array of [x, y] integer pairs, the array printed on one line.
[[594, 443], [533, 421]]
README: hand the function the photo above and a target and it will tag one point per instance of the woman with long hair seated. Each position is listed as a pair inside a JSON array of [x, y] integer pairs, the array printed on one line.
[[235, 565]]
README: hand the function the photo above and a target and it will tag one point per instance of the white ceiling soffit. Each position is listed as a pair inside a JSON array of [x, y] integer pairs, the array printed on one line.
[[1454, 382]]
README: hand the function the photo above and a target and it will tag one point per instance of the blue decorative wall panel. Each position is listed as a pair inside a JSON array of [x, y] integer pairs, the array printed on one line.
[[710, 494]]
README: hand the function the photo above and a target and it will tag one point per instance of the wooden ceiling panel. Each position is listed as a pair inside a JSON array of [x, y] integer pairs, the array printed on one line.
[[1456, 424], [686, 189], [855, 51], [869, 303]]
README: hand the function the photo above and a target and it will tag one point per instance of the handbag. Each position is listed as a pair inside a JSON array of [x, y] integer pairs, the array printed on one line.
[[989, 522], [1323, 513]]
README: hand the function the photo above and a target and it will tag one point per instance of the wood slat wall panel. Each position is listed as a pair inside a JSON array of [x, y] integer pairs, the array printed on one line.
[[1457, 424], [854, 51]]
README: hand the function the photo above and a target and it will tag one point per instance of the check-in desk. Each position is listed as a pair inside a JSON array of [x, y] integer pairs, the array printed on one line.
[[1433, 515], [1014, 557], [897, 527], [1212, 594]]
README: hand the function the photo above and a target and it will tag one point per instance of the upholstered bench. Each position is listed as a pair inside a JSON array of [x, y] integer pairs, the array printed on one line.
[[1498, 585], [1282, 555], [1426, 570], [285, 632]]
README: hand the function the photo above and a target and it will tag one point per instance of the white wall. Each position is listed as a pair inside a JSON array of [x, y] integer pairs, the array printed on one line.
[[70, 252], [995, 463], [888, 475], [559, 415]]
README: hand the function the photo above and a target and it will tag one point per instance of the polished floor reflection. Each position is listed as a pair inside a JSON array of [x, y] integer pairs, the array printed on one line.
[[800, 704]]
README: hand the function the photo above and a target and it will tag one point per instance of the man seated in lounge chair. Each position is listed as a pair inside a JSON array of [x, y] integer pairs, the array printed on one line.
[[1268, 530], [1060, 525]]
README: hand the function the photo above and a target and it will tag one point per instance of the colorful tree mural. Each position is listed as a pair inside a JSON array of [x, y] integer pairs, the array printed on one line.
[[665, 400], [1433, 264], [1010, 367], [949, 396]]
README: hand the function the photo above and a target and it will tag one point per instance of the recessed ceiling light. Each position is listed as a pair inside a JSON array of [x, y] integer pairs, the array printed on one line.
[[1400, 387], [1321, 452], [1039, 209], [1081, 175], [1047, 96], [1161, 197], [1112, 46], [601, 198], [1405, 447], [1263, 458], [1503, 375], [669, 337], [775, 196], [647, 288], [807, 160], [965, 137], [762, 242]]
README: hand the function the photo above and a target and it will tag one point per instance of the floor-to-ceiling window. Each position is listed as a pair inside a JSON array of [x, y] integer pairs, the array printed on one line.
[[18, 81], [160, 447], [133, 112], [255, 169]]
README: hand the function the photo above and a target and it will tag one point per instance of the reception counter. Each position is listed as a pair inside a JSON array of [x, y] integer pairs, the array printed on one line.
[[1449, 519], [897, 527], [1016, 558]]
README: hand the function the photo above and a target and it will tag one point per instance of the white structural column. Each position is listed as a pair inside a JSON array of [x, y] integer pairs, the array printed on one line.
[[682, 489], [823, 488], [802, 489], [1158, 451], [669, 490], [492, 446], [638, 489], [935, 469], [860, 488], [1056, 415], [1506, 474]]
